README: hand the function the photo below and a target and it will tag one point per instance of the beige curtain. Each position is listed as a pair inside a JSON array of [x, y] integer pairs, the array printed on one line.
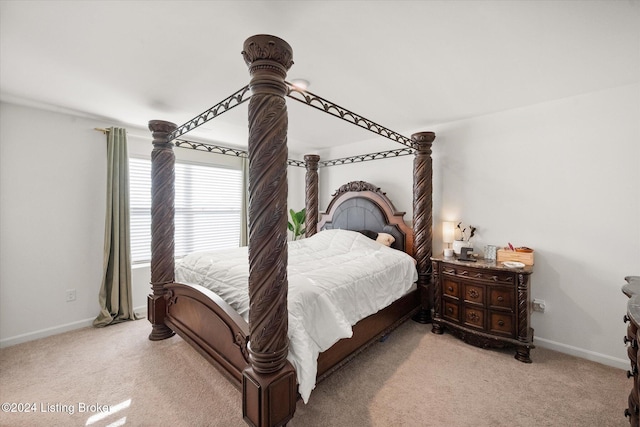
[[116, 301], [244, 222]]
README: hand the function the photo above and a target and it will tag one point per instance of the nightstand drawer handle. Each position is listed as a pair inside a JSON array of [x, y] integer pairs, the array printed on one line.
[[500, 322], [625, 318], [450, 310], [633, 372], [500, 299], [450, 288], [633, 341]]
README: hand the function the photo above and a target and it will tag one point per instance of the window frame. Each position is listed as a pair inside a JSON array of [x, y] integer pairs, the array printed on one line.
[[181, 215]]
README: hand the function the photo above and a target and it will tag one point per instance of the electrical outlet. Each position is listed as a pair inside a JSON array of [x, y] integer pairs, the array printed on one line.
[[539, 305], [70, 295]]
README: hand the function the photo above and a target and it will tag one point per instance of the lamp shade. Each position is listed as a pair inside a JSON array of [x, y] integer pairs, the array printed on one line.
[[448, 232]]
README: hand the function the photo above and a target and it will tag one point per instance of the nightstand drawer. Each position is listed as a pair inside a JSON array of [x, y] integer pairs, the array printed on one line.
[[632, 354], [501, 298], [473, 317], [631, 342], [502, 324], [473, 293], [450, 311], [631, 330], [490, 276], [451, 288]]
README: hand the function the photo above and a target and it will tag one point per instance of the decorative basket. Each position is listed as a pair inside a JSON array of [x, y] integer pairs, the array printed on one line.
[[508, 255]]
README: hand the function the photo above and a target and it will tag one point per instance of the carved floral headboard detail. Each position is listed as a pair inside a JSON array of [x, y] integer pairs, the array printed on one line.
[[357, 186]]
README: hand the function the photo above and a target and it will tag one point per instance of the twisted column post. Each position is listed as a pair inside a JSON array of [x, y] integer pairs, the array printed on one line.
[[269, 383], [162, 225], [311, 194], [423, 219]]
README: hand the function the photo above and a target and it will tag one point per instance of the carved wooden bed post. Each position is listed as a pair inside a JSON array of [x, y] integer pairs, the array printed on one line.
[[311, 194], [423, 219], [162, 225], [269, 388]]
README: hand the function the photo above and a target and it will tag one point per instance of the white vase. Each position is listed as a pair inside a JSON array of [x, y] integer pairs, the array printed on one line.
[[459, 244]]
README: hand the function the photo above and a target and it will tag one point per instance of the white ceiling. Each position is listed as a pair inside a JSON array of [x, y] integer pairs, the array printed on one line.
[[407, 65]]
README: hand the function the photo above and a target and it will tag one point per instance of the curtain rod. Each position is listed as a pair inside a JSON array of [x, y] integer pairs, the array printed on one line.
[[105, 131]]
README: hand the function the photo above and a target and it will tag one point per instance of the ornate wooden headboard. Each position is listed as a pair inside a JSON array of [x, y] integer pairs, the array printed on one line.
[[359, 205]]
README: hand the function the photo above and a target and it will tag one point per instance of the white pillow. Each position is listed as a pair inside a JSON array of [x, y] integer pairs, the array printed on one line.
[[385, 239]]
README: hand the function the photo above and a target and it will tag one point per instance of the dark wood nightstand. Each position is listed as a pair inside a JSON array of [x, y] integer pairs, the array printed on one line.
[[632, 290], [483, 303]]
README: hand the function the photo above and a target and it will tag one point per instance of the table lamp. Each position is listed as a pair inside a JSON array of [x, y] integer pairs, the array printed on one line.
[[448, 235]]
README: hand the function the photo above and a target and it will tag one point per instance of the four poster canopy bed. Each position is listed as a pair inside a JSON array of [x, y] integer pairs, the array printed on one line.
[[247, 310]]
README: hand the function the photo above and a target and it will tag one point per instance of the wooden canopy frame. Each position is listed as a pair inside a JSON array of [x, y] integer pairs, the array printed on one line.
[[267, 379]]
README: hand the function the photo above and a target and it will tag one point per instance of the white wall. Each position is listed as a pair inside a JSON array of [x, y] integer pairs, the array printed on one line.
[[296, 180], [562, 177], [52, 187]]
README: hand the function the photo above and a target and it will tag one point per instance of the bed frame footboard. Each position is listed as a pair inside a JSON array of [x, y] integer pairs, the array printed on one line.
[[210, 325]]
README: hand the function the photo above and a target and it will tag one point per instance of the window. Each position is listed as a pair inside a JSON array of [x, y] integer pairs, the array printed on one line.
[[208, 205]]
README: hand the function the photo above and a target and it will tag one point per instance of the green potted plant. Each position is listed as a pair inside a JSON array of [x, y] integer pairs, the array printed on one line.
[[296, 225]]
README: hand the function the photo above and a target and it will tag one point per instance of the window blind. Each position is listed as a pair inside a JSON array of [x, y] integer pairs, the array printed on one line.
[[208, 205]]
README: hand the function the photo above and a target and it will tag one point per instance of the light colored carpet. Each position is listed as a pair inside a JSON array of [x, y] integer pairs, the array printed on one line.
[[414, 378]]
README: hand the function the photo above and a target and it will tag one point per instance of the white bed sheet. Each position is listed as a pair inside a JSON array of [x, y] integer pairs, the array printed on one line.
[[336, 278]]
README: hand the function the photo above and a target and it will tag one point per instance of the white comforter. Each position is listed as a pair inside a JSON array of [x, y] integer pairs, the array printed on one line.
[[336, 278]]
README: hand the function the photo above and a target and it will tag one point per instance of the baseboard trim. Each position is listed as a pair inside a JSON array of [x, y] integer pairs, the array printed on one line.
[[582, 353], [54, 330]]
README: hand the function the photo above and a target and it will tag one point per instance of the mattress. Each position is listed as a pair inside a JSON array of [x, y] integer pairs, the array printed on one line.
[[336, 278]]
